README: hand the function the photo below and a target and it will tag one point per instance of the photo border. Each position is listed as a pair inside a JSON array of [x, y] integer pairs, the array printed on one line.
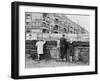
[[15, 39]]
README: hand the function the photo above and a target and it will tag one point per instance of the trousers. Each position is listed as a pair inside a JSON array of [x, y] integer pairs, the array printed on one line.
[[62, 52]]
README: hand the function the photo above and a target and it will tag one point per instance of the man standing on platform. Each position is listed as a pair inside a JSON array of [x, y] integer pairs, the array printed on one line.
[[63, 47]]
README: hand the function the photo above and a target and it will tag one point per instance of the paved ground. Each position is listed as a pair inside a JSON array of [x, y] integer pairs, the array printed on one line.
[[50, 63]]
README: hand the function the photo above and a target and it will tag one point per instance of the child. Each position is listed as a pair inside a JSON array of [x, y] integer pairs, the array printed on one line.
[[39, 45]]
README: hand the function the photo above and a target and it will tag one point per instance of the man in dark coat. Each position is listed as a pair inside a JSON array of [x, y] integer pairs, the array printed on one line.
[[63, 47]]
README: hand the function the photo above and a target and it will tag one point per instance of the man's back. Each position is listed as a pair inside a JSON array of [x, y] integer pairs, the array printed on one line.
[[62, 42]]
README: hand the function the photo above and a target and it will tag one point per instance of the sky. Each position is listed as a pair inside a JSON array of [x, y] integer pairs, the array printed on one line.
[[82, 20]]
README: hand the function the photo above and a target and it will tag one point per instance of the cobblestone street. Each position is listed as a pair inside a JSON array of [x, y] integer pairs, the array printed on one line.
[[50, 63]]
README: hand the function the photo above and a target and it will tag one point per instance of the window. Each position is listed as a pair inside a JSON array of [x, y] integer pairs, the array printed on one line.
[[56, 20], [28, 16], [56, 32], [56, 27], [27, 23], [64, 29], [45, 31]]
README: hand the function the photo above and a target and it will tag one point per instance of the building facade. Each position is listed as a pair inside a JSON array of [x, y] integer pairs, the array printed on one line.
[[52, 23]]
